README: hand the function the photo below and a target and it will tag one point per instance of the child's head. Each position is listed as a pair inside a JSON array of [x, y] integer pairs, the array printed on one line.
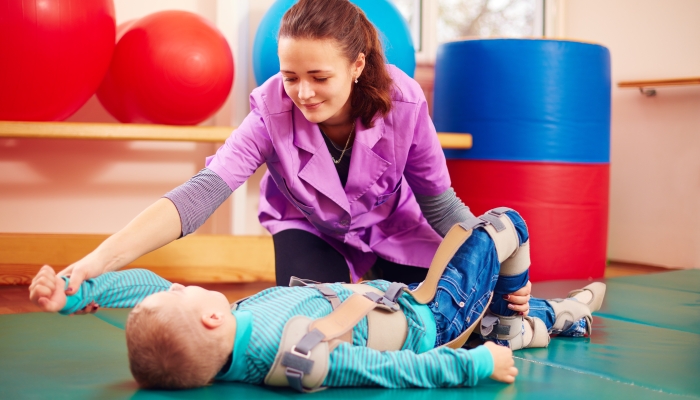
[[180, 338]]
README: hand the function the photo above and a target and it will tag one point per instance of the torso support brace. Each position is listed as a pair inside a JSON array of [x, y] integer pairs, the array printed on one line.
[[302, 358]]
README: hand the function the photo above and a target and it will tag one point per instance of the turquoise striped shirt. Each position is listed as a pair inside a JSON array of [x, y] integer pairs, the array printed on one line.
[[261, 319]]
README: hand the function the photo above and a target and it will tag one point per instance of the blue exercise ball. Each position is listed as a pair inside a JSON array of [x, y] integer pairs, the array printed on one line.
[[393, 31]]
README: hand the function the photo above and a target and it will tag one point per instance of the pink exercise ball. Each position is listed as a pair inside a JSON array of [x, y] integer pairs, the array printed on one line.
[[53, 56], [170, 67]]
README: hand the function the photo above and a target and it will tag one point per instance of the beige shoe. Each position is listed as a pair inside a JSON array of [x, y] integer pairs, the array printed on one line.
[[597, 293], [580, 304]]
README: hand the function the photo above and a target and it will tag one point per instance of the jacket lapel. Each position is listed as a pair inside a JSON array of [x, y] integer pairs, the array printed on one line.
[[366, 166], [319, 171]]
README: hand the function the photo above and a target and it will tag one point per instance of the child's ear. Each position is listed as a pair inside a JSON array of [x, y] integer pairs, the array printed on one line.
[[212, 320]]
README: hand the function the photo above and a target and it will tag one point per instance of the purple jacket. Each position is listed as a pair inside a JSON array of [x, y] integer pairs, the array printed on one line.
[[376, 213]]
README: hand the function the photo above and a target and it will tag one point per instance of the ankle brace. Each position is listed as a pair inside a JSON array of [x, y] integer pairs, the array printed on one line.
[[567, 312], [512, 329]]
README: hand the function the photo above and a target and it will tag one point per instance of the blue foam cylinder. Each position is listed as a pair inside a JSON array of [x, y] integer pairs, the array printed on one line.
[[525, 99], [393, 30]]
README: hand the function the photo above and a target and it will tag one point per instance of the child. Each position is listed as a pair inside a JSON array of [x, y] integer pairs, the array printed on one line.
[[183, 337]]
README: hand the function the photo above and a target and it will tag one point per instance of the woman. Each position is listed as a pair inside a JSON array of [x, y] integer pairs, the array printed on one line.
[[357, 183]]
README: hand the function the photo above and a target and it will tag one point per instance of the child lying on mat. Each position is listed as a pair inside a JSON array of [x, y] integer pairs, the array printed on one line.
[[185, 336]]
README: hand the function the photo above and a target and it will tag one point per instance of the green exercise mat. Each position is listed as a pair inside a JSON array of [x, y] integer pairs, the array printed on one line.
[[638, 350]]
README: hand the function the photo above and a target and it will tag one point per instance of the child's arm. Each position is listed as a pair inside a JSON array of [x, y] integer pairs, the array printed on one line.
[[441, 367], [122, 289]]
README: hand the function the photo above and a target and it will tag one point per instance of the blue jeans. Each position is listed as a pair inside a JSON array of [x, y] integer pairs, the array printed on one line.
[[469, 280]]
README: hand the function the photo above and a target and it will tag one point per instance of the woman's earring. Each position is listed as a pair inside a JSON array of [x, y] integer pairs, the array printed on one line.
[[355, 80]]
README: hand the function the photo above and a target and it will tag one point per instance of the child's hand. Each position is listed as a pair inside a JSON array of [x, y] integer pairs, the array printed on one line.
[[46, 290], [503, 365]]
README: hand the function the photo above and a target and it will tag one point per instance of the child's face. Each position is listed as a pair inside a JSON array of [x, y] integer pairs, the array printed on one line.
[[196, 297]]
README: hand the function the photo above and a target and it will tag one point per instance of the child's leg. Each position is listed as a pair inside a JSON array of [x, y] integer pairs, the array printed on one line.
[[469, 281], [570, 317]]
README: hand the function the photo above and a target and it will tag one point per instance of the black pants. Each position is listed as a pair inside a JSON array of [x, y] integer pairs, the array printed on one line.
[[304, 255]]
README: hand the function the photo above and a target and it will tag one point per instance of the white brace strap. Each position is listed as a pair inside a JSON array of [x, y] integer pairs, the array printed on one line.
[[510, 328]]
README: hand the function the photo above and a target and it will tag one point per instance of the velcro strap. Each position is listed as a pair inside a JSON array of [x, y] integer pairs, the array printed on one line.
[[329, 294], [298, 363], [394, 291], [294, 378], [308, 342], [494, 220], [471, 223], [500, 210], [501, 330], [382, 301], [297, 359], [487, 323]]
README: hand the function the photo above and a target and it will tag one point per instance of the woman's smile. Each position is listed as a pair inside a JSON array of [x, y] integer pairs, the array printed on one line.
[[312, 106]]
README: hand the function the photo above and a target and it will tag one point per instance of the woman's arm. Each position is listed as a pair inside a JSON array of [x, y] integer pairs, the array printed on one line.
[[443, 211], [197, 199], [156, 226]]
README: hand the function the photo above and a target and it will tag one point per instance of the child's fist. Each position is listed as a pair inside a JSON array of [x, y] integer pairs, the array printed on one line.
[[46, 290], [503, 365]]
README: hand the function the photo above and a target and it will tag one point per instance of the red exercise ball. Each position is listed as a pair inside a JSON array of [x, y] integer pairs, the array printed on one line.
[[53, 56], [170, 67]]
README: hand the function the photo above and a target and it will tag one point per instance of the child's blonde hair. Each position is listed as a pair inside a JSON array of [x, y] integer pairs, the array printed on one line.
[[168, 351]]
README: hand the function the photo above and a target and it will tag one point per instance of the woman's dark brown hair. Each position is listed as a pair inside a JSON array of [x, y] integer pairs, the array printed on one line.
[[345, 23]]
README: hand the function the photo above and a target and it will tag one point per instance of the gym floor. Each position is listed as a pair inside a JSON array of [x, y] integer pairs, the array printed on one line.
[[15, 299], [645, 344]]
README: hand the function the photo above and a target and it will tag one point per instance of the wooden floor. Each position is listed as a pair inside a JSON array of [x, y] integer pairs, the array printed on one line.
[[15, 299]]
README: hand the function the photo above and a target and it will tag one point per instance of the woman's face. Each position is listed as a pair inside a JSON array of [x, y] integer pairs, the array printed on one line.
[[318, 78]]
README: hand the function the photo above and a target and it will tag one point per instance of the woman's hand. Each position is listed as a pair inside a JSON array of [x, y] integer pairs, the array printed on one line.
[[86, 268], [520, 299], [503, 365]]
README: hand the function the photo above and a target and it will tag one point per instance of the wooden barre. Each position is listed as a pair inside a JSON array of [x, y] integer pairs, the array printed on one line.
[[111, 131], [194, 258], [659, 82]]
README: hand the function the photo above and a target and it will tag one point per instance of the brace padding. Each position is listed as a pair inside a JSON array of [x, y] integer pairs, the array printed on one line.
[[506, 239], [386, 330], [540, 335], [518, 263], [567, 312], [294, 330]]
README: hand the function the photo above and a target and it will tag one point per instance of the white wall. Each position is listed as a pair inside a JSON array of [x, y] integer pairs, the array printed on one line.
[[655, 153]]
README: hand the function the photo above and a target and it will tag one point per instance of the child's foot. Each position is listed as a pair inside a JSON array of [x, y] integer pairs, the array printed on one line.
[[573, 314]]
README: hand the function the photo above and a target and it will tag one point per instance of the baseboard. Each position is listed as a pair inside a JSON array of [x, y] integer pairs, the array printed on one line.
[[195, 258]]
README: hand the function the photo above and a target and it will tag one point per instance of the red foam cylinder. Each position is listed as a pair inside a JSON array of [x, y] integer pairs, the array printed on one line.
[[564, 205]]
